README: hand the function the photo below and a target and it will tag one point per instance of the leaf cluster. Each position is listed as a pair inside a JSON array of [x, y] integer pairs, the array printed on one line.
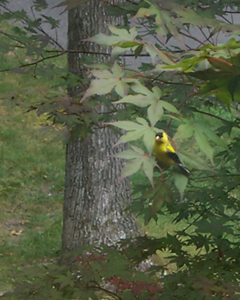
[[91, 272]]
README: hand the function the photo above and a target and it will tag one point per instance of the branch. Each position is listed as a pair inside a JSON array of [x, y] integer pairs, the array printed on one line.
[[33, 63], [211, 115], [104, 290], [196, 219], [205, 36], [62, 52], [11, 37], [192, 37]]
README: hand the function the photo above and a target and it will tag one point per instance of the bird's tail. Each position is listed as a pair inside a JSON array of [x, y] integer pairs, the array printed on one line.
[[184, 170]]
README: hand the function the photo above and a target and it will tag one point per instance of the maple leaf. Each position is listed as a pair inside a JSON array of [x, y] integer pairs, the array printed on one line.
[[106, 81], [145, 98], [137, 160], [120, 37], [137, 130], [203, 135]]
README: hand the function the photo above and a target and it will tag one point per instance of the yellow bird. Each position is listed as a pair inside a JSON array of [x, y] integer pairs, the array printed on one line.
[[165, 152]]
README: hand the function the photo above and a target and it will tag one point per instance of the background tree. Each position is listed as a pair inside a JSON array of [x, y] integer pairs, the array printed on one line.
[[94, 198]]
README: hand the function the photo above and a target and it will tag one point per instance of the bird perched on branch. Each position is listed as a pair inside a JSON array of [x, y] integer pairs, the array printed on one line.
[[166, 154]]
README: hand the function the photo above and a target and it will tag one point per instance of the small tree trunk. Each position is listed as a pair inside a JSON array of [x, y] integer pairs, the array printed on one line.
[[94, 201]]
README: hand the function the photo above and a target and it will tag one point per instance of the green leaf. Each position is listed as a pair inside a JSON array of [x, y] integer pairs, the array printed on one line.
[[165, 24], [149, 138], [189, 16], [123, 34], [137, 149], [146, 12], [120, 37], [103, 39], [141, 89], [128, 44], [155, 112], [221, 64], [204, 144], [132, 136], [193, 161], [148, 166], [138, 50], [212, 135], [224, 96], [136, 131], [142, 121], [149, 98], [184, 131], [155, 52], [138, 160], [168, 106], [138, 100], [157, 92], [107, 81], [127, 154], [127, 125], [132, 167], [180, 181], [117, 71], [202, 134]]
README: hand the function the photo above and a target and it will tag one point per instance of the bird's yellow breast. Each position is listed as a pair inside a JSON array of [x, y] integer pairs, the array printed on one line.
[[161, 151]]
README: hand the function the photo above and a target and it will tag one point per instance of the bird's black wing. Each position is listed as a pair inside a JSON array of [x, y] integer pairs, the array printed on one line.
[[174, 157]]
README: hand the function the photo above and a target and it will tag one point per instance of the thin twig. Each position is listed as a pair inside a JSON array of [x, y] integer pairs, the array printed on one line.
[[105, 290], [193, 38], [35, 62], [194, 221], [211, 115], [11, 37]]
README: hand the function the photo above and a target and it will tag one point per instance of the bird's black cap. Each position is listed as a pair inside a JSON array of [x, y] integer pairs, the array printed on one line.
[[159, 134]]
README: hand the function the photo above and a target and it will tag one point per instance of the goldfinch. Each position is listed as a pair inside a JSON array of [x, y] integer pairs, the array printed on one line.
[[166, 154]]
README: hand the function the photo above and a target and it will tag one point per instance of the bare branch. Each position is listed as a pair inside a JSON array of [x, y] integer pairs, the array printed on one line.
[[35, 62]]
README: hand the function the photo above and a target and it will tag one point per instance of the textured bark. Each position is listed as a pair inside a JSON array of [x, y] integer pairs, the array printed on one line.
[[94, 201]]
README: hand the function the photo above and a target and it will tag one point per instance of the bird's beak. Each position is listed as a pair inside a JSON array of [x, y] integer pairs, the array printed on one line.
[[157, 138]]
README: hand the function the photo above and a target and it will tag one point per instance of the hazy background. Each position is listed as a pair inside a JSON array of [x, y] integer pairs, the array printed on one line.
[[60, 34]]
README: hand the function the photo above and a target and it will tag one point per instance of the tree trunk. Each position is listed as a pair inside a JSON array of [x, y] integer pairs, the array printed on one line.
[[94, 201]]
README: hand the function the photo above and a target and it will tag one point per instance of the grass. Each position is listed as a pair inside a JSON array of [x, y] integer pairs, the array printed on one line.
[[31, 175], [31, 193]]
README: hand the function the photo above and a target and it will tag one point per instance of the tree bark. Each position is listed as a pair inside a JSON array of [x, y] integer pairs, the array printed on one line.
[[94, 206]]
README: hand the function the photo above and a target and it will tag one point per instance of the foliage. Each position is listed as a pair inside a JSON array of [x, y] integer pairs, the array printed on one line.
[[184, 80], [91, 275]]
